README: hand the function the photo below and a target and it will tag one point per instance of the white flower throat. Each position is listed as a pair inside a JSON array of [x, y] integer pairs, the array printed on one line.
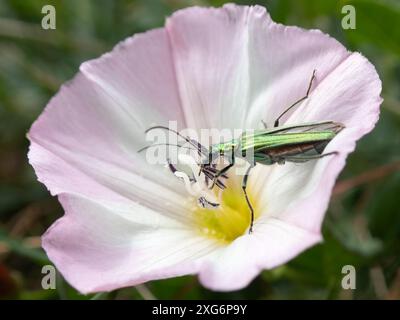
[[219, 214]]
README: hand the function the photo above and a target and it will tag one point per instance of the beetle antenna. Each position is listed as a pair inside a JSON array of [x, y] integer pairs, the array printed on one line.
[[199, 147]]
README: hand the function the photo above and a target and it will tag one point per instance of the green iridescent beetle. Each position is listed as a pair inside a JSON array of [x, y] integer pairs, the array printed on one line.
[[291, 143]]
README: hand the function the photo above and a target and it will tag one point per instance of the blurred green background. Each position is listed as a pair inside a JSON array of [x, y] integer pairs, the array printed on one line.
[[362, 227]]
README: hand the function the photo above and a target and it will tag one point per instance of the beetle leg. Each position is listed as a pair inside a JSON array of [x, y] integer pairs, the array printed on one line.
[[276, 123], [225, 169], [264, 124], [244, 186]]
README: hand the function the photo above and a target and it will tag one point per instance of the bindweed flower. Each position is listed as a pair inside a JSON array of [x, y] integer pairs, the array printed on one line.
[[126, 221]]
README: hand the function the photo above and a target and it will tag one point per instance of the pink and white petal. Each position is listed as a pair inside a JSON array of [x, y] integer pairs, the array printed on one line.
[[283, 59], [104, 246], [350, 94], [273, 242], [90, 132], [117, 186], [138, 75], [211, 63], [236, 66]]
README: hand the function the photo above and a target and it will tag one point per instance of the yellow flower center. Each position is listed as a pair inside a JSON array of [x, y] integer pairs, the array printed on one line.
[[232, 218]]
